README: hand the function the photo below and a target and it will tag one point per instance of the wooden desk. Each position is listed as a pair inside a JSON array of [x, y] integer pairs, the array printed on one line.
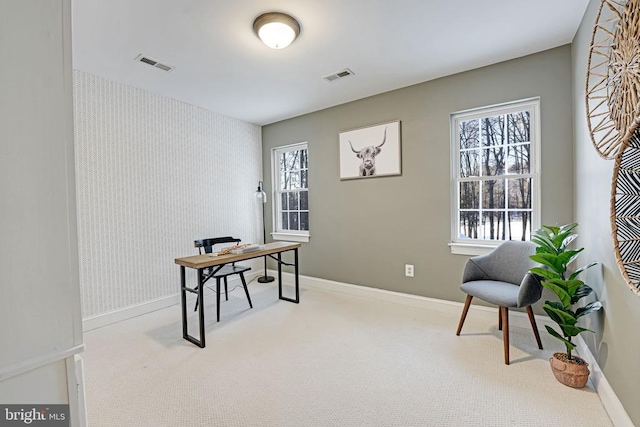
[[200, 262]]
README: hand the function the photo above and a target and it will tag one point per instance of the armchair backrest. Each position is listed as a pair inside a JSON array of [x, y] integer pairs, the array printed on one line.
[[509, 262]]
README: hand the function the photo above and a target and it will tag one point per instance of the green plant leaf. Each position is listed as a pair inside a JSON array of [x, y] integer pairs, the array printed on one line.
[[573, 286], [565, 317], [544, 273], [552, 229], [580, 270], [570, 346], [553, 315], [561, 283], [550, 260], [542, 233], [568, 256], [572, 331], [582, 291], [544, 245], [568, 227], [589, 308], [555, 304], [560, 292], [560, 238], [567, 241]]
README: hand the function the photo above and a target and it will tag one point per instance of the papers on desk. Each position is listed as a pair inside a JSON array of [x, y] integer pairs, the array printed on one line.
[[237, 250], [245, 249]]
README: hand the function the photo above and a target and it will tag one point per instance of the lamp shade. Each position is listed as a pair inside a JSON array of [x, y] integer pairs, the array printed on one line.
[[260, 194], [276, 30]]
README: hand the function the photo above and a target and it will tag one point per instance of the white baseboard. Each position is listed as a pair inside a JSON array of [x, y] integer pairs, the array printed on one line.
[[610, 401], [516, 318], [105, 319]]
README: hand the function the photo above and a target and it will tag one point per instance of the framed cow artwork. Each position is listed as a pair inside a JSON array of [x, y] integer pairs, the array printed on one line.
[[371, 151]]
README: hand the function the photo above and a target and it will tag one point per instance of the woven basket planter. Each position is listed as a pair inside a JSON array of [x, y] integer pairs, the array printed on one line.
[[570, 374]]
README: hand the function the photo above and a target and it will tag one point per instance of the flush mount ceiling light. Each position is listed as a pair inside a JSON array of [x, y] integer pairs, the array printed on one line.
[[276, 30]]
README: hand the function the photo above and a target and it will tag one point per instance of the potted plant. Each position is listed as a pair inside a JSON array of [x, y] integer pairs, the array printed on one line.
[[553, 253]]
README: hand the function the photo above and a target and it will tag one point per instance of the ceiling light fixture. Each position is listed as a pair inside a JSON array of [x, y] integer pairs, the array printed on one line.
[[276, 30]]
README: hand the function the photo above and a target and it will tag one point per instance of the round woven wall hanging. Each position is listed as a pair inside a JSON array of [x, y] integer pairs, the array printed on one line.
[[625, 211], [613, 76]]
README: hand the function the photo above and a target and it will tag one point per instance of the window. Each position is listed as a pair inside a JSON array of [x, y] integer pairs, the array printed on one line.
[[495, 182], [291, 193]]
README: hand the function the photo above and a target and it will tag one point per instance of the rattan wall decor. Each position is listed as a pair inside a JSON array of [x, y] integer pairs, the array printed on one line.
[[613, 116], [625, 212], [613, 76]]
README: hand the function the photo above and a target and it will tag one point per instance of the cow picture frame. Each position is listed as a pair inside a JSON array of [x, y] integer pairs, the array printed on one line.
[[371, 151]]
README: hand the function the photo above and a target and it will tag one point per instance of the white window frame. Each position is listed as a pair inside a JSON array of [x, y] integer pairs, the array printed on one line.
[[279, 234], [477, 246]]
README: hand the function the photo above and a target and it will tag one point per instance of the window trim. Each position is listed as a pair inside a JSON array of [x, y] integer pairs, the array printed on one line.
[[460, 246], [288, 235]]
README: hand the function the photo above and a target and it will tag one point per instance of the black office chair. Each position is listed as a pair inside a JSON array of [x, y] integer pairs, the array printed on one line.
[[221, 273]]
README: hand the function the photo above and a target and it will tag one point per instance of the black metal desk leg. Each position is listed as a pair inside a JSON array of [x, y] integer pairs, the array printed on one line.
[[183, 294], [201, 308], [279, 275], [185, 326], [297, 278]]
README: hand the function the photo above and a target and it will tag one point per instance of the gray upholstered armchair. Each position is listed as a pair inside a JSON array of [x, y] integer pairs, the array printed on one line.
[[502, 277]]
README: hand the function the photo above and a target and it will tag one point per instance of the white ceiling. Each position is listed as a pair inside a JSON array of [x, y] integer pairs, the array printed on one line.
[[222, 66]]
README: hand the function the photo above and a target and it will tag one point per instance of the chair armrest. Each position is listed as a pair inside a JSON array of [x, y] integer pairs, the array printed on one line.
[[473, 269], [530, 290]]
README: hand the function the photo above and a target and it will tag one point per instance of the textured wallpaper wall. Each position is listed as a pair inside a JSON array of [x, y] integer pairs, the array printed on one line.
[[153, 174]]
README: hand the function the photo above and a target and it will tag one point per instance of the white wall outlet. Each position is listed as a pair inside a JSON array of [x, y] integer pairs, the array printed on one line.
[[408, 270]]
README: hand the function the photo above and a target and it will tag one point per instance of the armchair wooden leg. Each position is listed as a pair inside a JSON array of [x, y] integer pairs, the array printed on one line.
[[532, 319], [467, 303], [499, 319], [505, 332]]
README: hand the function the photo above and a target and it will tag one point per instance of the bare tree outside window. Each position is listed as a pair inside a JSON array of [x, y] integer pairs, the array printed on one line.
[[494, 183], [292, 190]]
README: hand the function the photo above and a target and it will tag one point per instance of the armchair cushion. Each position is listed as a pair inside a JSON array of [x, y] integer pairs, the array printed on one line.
[[500, 293]]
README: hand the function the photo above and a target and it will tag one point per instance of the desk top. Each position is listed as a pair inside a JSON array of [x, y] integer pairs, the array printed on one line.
[[208, 260]]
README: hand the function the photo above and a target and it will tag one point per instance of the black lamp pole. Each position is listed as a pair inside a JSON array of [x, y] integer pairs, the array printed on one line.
[[262, 196]]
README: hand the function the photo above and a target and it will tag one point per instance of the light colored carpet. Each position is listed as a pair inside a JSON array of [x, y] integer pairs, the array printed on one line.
[[332, 360]]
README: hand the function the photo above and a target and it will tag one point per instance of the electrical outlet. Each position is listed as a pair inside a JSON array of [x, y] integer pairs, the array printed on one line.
[[408, 270]]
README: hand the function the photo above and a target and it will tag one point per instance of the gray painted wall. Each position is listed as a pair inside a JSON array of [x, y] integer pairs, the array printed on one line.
[[615, 344], [365, 231]]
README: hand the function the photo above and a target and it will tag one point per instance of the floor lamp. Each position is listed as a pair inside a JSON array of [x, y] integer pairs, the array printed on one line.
[[262, 198]]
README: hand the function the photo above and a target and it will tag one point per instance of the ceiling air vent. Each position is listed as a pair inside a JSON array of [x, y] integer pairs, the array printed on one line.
[[339, 75], [154, 63]]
